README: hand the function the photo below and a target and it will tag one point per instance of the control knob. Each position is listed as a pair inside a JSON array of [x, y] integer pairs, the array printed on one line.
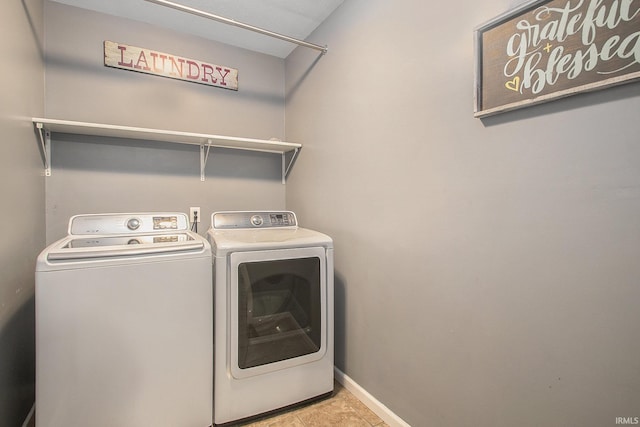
[[133, 224], [256, 220]]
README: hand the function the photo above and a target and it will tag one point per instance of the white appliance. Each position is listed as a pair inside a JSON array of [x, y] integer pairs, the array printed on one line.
[[273, 313], [124, 324]]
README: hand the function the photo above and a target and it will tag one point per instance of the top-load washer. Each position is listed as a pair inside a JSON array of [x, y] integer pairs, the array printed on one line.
[[273, 313], [124, 324]]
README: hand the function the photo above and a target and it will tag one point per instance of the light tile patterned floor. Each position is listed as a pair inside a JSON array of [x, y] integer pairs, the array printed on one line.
[[341, 409]]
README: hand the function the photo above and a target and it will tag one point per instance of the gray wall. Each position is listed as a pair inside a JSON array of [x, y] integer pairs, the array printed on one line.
[[487, 270], [104, 175], [22, 195]]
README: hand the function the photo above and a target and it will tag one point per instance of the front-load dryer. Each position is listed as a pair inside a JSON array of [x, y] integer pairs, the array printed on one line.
[[273, 313], [124, 324]]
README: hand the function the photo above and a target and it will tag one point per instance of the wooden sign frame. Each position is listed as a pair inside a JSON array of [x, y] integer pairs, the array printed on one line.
[[147, 61], [548, 49]]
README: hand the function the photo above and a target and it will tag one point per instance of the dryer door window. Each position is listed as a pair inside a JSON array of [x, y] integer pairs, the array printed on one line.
[[279, 318]]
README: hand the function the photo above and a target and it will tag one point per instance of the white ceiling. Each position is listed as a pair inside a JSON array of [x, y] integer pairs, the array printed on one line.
[[294, 18]]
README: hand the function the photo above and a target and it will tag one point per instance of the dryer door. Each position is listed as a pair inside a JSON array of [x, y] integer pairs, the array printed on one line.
[[278, 309]]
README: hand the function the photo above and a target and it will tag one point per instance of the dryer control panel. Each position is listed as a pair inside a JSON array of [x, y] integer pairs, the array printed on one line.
[[128, 223], [260, 219]]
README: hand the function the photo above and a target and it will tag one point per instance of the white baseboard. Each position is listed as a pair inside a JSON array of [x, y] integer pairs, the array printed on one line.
[[372, 403], [29, 415]]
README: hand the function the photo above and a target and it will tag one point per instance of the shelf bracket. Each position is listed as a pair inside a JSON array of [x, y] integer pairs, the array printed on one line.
[[286, 168], [204, 156], [45, 142]]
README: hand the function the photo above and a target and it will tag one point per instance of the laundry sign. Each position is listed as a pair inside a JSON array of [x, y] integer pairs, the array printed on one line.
[[132, 58], [547, 49]]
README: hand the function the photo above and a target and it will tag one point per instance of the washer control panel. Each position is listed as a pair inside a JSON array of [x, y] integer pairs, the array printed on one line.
[[133, 223], [264, 219]]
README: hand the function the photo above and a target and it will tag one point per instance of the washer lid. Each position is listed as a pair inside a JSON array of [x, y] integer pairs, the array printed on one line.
[[89, 247]]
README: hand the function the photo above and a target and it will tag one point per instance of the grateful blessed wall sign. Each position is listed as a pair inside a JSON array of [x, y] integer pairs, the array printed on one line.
[[149, 61], [547, 49]]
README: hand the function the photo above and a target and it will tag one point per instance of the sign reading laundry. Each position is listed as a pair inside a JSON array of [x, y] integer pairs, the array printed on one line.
[[547, 49], [148, 61]]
